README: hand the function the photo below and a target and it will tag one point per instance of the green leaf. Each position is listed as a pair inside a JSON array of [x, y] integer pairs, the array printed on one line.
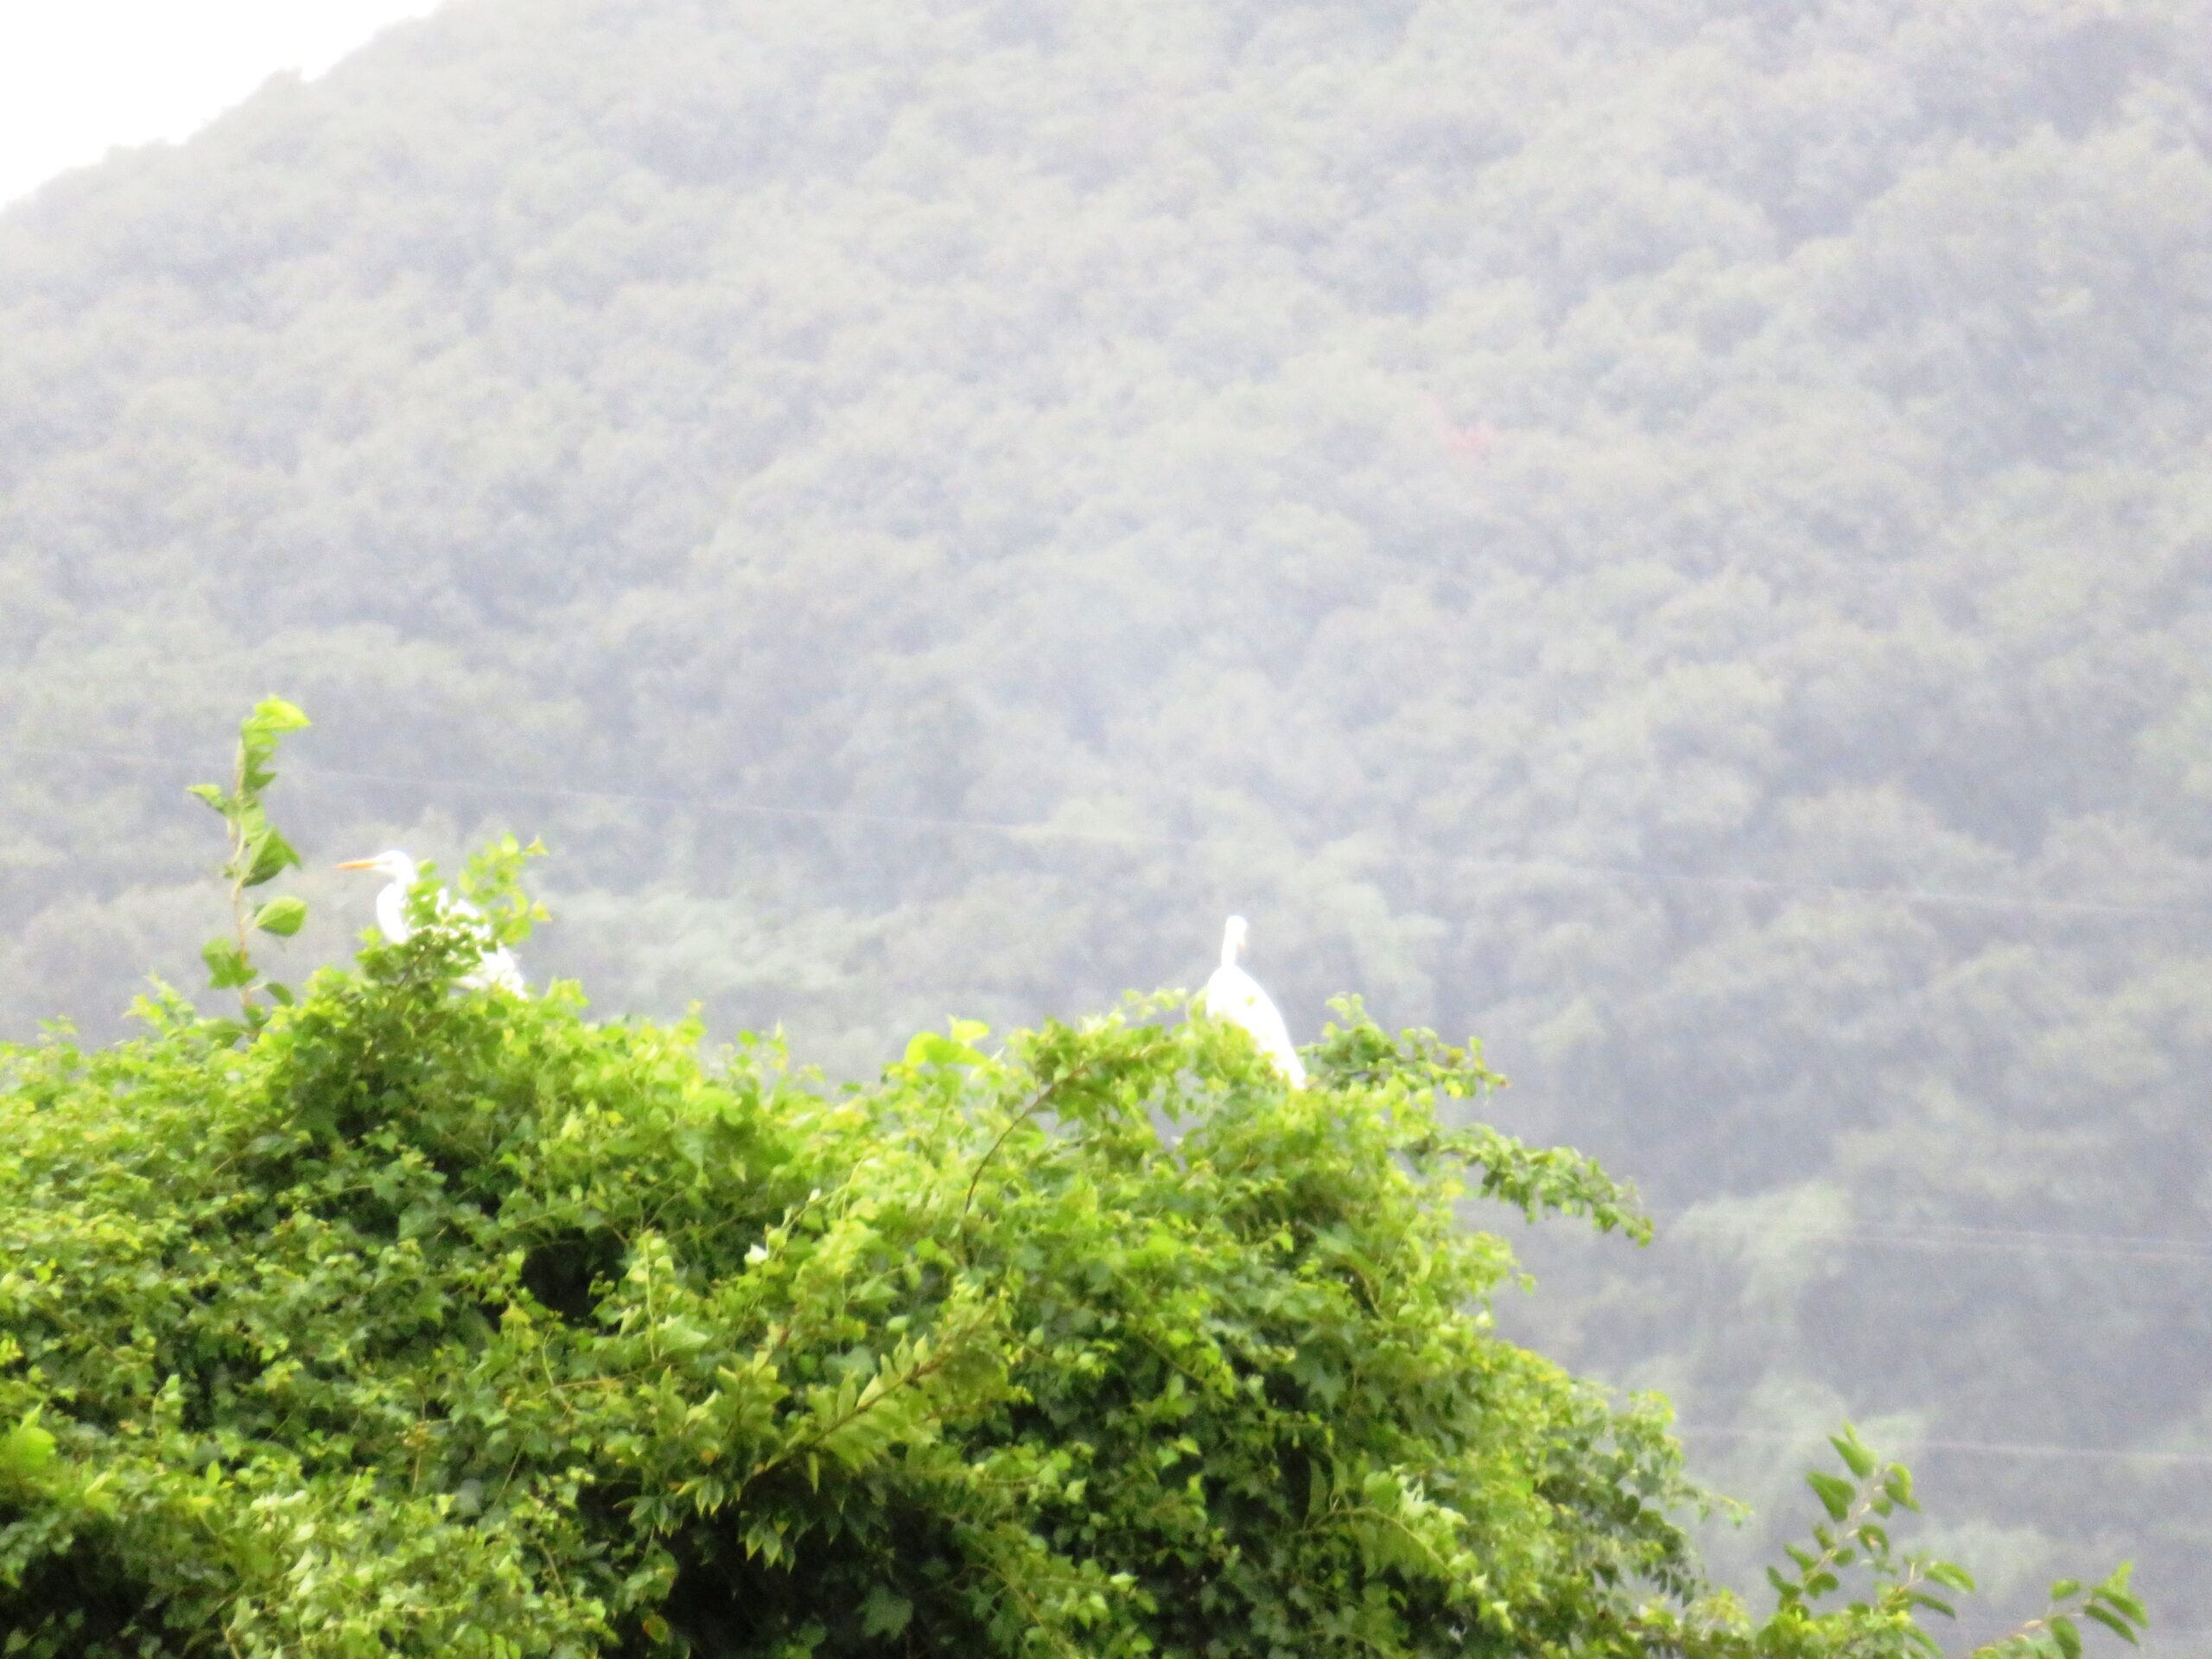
[[1951, 1576], [274, 717], [885, 1612], [933, 1048], [26, 1448], [1836, 1494], [268, 856], [281, 917], [2064, 1589], [227, 968], [2067, 1637], [1855, 1456], [2128, 1605], [214, 794], [2112, 1621], [1933, 1603]]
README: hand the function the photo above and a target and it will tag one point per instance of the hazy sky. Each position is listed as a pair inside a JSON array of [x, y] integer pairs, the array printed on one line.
[[78, 77]]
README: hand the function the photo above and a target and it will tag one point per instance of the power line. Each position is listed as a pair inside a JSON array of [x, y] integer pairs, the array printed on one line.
[[1942, 1238], [1969, 1448], [1580, 870], [1937, 1236]]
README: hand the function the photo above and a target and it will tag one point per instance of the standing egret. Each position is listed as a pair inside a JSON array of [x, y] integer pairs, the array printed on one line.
[[1233, 995], [496, 966]]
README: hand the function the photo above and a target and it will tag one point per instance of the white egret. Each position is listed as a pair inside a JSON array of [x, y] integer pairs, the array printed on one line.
[[497, 966], [1233, 995]]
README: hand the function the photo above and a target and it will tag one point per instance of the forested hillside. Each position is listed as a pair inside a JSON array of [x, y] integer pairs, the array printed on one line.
[[1674, 535]]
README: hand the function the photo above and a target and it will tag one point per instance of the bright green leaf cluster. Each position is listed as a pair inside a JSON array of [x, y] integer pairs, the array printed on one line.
[[258, 854], [2057, 1633], [492, 880]]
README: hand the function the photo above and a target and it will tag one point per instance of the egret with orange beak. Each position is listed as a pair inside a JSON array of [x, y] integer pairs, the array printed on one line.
[[495, 969]]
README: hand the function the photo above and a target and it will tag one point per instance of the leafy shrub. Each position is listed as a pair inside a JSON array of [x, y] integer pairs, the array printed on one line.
[[397, 1318]]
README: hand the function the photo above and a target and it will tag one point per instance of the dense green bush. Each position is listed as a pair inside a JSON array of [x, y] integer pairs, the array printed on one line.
[[395, 1318]]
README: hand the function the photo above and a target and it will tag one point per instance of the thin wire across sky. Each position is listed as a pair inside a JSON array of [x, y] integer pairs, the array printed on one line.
[[2174, 909]]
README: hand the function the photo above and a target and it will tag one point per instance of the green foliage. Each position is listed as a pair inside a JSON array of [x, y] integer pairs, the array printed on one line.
[[258, 854], [2057, 1633], [456, 1324], [1883, 1620], [438, 1323], [492, 880]]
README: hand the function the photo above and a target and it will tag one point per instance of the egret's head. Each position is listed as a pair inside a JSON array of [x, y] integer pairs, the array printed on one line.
[[1232, 938], [395, 864]]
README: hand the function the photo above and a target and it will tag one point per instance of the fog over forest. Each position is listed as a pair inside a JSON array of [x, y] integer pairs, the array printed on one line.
[[1675, 536]]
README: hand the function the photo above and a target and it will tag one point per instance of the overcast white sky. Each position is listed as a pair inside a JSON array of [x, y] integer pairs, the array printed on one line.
[[79, 77]]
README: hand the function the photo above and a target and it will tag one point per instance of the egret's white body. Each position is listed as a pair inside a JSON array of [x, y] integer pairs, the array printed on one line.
[[497, 967], [1233, 995]]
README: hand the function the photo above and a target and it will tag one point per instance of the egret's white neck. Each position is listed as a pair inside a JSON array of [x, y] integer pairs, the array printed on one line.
[[1231, 936], [391, 911]]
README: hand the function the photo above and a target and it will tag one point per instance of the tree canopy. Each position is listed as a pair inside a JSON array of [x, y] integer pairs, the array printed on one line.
[[400, 1318]]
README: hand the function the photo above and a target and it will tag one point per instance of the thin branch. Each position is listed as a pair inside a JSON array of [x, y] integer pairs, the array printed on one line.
[[1044, 1099]]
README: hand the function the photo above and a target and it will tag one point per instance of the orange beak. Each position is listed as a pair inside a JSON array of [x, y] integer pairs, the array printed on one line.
[[356, 864]]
